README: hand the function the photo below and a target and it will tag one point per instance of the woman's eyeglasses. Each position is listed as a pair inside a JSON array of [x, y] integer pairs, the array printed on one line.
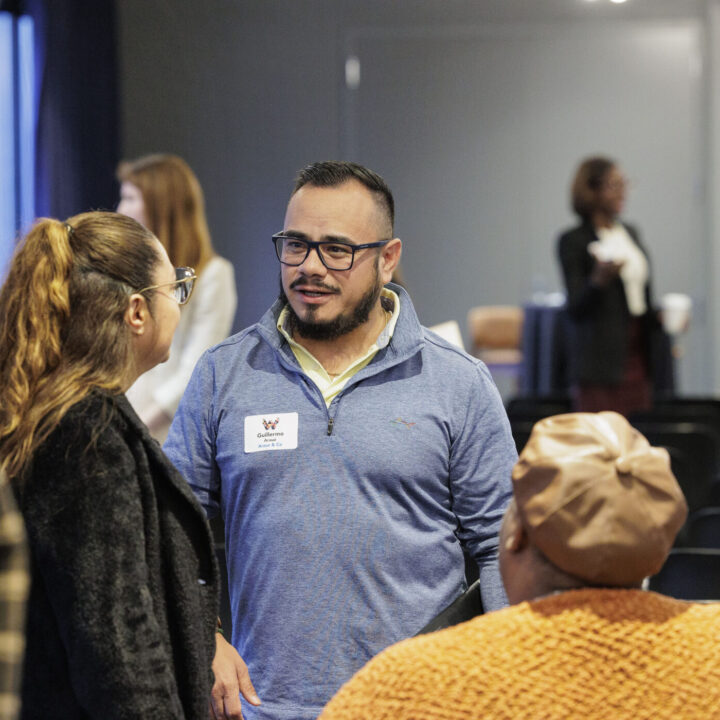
[[181, 288]]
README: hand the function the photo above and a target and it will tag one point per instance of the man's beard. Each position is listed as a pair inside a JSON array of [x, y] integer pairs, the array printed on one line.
[[343, 324]]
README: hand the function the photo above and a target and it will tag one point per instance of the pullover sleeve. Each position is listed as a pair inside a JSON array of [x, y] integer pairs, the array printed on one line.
[[191, 440], [481, 461]]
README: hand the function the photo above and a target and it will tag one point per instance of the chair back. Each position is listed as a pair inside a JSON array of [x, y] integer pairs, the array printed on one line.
[[694, 450], [533, 408], [521, 430], [464, 608], [703, 528], [689, 574], [495, 333]]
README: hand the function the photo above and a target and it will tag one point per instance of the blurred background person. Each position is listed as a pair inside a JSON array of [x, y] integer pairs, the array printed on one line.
[[123, 601], [14, 585], [162, 193], [607, 278]]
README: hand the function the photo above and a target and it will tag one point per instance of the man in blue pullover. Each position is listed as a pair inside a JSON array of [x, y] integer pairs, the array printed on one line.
[[352, 453]]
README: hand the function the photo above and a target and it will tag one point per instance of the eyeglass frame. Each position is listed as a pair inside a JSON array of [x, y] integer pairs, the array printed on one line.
[[189, 278], [315, 245]]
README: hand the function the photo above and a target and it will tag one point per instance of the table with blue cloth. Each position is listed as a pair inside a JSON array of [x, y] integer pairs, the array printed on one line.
[[548, 332]]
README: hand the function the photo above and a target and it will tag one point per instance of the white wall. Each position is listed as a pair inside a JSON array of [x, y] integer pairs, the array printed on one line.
[[478, 130], [475, 111]]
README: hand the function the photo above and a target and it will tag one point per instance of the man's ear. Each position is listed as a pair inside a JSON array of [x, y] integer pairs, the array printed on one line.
[[389, 259], [137, 314]]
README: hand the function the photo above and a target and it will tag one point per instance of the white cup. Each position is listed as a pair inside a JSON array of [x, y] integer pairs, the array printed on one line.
[[676, 308]]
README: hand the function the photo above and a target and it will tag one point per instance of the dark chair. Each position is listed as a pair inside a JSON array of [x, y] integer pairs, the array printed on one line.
[[523, 412], [703, 528], [691, 407], [521, 430], [472, 573], [534, 408], [694, 450], [689, 574], [705, 411], [466, 607], [218, 530], [713, 496]]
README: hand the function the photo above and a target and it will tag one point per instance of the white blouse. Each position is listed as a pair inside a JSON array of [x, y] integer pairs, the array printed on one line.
[[615, 243], [204, 321]]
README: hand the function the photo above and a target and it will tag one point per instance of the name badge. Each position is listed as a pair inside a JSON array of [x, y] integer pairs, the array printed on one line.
[[273, 431]]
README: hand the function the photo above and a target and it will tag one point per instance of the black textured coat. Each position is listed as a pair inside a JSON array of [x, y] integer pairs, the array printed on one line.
[[600, 315], [123, 603]]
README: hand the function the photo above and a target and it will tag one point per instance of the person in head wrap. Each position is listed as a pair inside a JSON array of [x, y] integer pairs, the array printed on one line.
[[595, 510]]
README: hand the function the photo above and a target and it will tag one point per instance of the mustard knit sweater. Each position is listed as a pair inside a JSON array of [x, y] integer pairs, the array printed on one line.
[[592, 653]]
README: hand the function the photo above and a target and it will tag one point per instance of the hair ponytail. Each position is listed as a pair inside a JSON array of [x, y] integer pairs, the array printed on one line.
[[31, 322], [62, 331]]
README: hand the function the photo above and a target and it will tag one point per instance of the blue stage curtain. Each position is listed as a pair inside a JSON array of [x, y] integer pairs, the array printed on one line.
[[77, 145]]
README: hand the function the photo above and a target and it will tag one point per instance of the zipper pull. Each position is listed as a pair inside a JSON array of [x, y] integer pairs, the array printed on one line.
[[331, 422]]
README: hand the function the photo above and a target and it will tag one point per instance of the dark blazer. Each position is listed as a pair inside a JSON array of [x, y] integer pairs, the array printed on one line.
[[599, 315], [123, 604]]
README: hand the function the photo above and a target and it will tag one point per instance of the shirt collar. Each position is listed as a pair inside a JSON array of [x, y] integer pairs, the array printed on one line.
[[383, 339]]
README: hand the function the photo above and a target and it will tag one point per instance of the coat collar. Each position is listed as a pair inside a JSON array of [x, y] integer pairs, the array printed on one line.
[[152, 447]]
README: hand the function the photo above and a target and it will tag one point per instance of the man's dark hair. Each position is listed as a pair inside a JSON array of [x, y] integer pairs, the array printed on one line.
[[332, 173]]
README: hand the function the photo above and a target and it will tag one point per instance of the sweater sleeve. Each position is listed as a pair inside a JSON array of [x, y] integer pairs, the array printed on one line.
[[481, 461], [384, 690], [214, 300], [84, 514]]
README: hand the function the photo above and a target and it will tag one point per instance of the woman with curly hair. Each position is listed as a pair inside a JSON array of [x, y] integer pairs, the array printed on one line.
[[122, 608]]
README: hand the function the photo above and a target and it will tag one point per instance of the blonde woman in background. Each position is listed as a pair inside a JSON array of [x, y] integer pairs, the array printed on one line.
[[122, 611], [162, 193]]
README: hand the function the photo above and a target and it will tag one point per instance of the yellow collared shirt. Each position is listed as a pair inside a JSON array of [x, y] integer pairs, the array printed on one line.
[[330, 386]]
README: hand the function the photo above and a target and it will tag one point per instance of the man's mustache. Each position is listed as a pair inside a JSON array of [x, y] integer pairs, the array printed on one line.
[[313, 285]]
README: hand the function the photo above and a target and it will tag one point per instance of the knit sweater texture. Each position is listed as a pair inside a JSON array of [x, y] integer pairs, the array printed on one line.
[[592, 653]]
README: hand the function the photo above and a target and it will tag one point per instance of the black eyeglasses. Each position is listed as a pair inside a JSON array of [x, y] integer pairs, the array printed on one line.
[[334, 254], [182, 287]]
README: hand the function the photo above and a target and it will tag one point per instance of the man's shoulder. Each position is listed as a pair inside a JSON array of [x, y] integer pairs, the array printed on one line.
[[238, 343], [448, 352], [453, 362]]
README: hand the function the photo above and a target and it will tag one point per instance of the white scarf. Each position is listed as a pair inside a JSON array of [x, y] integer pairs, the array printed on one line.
[[617, 245]]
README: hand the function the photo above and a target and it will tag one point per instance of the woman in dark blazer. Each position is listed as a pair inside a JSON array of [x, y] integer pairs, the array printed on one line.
[[123, 604], [607, 278]]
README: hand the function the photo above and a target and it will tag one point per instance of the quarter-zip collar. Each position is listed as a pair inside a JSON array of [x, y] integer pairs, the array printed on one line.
[[407, 339]]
